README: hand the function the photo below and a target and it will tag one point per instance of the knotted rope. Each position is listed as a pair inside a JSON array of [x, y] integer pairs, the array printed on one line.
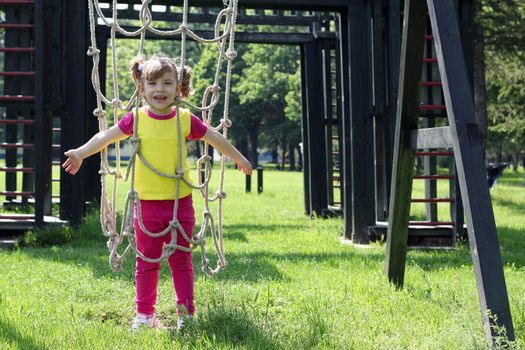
[[224, 39]]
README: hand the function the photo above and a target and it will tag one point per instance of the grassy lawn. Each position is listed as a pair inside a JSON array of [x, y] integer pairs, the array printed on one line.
[[290, 284]]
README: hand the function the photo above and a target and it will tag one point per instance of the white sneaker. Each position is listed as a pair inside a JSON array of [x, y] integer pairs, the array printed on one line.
[[182, 320], [147, 321]]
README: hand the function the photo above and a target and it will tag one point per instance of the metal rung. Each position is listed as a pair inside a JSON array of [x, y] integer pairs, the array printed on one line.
[[56, 129], [430, 83], [431, 223], [14, 170], [433, 177], [16, 2], [16, 216], [16, 26], [431, 200], [55, 180], [16, 121], [430, 59], [429, 37], [16, 193], [16, 98], [17, 145], [428, 107], [435, 154], [17, 74], [17, 49]]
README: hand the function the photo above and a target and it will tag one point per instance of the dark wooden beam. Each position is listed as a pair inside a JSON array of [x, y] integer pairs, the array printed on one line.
[[407, 112], [240, 37], [313, 5], [316, 127], [345, 140], [305, 136], [362, 178], [76, 110], [481, 226]]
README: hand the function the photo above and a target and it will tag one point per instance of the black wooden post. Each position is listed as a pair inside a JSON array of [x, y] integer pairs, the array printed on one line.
[[248, 183], [305, 137], [74, 122], [483, 238], [344, 141], [393, 53], [407, 111], [315, 128], [363, 197], [260, 170], [380, 121]]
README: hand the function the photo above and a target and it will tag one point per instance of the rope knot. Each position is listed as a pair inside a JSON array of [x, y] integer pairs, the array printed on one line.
[[222, 264], [221, 194], [134, 139], [184, 27], [227, 123], [99, 112], [116, 103], [174, 224], [206, 214], [92, 51], [115, 263], [231, 54], [206, 158], [215, 88], [179, 172], [168, 249]]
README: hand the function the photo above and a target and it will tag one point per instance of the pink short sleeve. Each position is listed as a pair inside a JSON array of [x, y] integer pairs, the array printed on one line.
[[126, 124], [198, 128]]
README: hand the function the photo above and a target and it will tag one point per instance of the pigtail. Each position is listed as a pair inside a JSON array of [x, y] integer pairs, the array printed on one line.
[[186, 85], [136, 67]]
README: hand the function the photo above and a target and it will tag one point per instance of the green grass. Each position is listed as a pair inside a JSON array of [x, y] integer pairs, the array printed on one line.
[[290, 284]]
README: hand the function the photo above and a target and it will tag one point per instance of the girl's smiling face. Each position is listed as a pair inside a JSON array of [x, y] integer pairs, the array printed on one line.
[[160, 93]]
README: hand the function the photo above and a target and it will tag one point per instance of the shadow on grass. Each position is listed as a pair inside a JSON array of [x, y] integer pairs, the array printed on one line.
[[88, 249], [511, 244], [224, 327], [10, 335]]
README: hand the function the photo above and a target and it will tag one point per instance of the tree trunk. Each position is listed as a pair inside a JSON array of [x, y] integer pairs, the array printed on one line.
[[283, 156], [291, 154], [480, 90], [275, 156], [242, 146]]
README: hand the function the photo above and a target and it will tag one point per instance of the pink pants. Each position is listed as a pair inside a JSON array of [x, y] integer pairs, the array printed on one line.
[[156, 215]]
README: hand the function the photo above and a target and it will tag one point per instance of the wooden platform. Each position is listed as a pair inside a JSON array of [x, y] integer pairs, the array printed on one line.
[[24, 222], [441, 236]]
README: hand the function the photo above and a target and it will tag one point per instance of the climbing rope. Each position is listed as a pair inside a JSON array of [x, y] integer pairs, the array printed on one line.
[[224, 40]]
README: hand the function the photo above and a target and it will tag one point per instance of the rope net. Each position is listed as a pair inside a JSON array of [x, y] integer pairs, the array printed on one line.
[[224, 40]]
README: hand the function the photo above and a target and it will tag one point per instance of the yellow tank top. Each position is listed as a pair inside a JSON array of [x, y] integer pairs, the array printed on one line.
[[159, 146]]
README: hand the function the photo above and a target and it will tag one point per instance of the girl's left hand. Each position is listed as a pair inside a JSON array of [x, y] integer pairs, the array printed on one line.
[[244, 166]]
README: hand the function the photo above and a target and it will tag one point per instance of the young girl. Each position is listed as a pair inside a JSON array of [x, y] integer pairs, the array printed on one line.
[[157, 82]]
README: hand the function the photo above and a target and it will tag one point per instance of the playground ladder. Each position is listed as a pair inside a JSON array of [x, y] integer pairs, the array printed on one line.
[[433, 231], [21, 110]]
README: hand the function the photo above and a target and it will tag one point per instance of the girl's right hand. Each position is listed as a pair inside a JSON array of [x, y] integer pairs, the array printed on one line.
[[73, 162]]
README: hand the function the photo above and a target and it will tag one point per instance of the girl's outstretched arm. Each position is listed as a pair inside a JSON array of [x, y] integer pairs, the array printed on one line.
[[94, 145], [221, 144]]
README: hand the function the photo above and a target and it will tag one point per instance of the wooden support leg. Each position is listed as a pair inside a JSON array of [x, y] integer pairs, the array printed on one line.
[[403, 165], [483, 238]]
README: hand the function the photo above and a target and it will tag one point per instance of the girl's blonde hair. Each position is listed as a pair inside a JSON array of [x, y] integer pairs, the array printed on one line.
[[150, 69]]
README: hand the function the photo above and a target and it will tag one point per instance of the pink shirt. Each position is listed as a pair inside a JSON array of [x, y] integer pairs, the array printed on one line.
[[197, 129]]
